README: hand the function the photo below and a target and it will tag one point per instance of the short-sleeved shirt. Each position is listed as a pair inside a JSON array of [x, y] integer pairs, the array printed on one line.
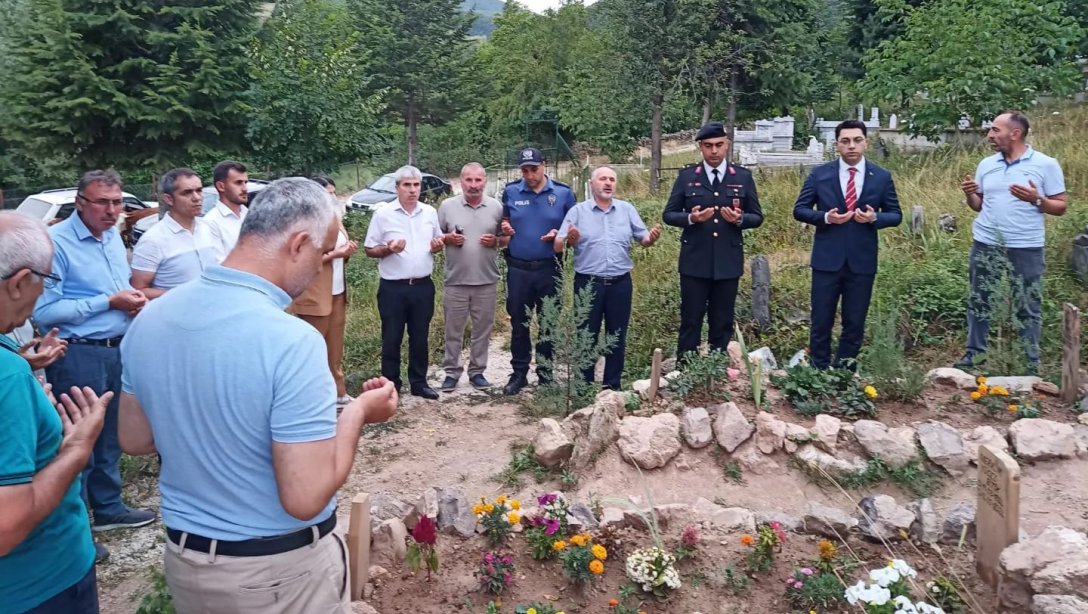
[[604, 242], [58, 551], [222, 372], [174, 254], [225, 226], [391, 223], [533, 215], [1005, 219], [471, 264]]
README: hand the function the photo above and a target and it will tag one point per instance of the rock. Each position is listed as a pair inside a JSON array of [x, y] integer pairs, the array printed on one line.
[[583, 517], [1016, 383], [1020, 562], [642, 386], [1065, 577], [947, 222], [731, 428], [1036, 439], [893, 446], [612, 518], [696, 427], [765, 358], [827, 521], [550, 445], [362, 607], [387, 545], [600, 431], [672, 376], [1046, 388], [384, 507], [612, 400], [770, 433], [961, 515], [944, 446], [1058, 604], [668, 514], [926, 527], [751, 460], [795, 436], [651, 442], [832, 465], [427, 505], [726, 518], [948, 376], [736, 356], [455, 515], [1083, 417], [983, 436], [826, 431], [1080, 435], [789, 523], [884, 519]]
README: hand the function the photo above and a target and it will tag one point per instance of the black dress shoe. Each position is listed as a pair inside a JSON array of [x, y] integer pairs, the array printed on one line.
[[449, 384], [479, 382], [426, 392], [514, 386], [969, 361]]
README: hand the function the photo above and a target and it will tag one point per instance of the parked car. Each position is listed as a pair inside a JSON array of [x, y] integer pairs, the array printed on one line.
[[210, 196], [384, 190], [52, 206]]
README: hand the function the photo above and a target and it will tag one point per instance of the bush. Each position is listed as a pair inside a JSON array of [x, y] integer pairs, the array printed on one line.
[[814, 391], [884, 363]]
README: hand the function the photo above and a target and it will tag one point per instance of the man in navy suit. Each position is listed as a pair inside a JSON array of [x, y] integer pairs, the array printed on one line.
[[847, 201]]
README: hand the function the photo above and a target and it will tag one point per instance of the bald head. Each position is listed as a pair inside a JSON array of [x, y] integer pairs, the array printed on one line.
[[473, 182], [602, 182]]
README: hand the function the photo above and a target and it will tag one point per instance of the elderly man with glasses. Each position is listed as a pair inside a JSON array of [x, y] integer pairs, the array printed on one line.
[[92, 306]]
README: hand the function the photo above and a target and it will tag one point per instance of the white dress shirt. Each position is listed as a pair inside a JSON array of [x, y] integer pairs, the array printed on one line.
[[338, 265], [225, 225], [174, 254], [859, 177], [721, 168], [392, 222]]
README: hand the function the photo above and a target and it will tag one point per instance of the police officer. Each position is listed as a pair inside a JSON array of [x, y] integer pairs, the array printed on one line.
[[712, 201], [533, 210]]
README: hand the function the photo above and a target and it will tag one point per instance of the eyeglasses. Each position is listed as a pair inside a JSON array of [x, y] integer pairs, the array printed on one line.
[[49, 281], [102, 202]]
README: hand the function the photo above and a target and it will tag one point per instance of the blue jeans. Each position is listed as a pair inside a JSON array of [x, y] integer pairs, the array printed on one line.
[[80, 598], [612, 305], [98, 368], [1025, 268]]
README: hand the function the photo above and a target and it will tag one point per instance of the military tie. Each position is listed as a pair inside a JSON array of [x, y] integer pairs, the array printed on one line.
[[717, 180], [851, 190]]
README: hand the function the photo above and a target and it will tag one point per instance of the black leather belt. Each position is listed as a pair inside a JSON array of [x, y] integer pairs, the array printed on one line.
[[260, 546], [417, 281], [531, 265], [604, 281], [106, 343]]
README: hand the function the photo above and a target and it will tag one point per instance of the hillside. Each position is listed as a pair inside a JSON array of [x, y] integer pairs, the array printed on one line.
[[485, 11]]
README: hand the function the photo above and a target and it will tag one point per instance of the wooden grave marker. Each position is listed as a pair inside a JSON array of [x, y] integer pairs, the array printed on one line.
[[655, 375], [997, 519], [358, 539], [1070, 354]]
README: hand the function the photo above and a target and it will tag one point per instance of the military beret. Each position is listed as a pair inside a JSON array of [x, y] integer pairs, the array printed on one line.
[[712, 130]]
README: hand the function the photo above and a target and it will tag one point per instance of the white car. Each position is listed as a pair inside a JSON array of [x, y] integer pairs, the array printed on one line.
[[52, 206]]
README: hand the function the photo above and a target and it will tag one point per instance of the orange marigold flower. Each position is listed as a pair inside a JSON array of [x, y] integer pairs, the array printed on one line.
[[613, 603], [559, 545], [577, 540], [747, 540], [976, 395], [599, 552], [596, 567], [1014, 407]]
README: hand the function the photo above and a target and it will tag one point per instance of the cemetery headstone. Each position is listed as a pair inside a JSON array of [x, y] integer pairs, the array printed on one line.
[[997, 519]]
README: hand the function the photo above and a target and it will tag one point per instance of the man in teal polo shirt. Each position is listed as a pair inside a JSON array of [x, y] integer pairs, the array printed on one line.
[[1012, 191], [46, 552]]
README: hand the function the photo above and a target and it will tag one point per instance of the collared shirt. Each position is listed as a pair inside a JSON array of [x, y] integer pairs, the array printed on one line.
[[392, 222], [225, 225], [256, 376], [58, 551], [722, 169], [91, 270], [604, 242], [174, 254], [859, 177], [1004, 218], [534, 215], [471, 264]]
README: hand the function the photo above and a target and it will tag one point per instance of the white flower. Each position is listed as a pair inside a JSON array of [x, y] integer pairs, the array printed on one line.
[[878, 595], [884, 576], [903, 568], [903, 605], [853, 593], [925, 608]]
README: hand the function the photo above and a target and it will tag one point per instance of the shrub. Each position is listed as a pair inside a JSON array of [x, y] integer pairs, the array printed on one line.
[[814, 391], [884, 363]]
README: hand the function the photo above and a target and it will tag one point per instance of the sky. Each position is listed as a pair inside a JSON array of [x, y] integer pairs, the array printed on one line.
[[540, 5]]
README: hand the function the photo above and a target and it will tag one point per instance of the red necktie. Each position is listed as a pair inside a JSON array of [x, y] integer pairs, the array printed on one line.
[[851, 190]]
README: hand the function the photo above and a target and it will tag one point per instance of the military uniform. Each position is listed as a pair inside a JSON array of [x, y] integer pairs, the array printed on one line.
[[711, 252]]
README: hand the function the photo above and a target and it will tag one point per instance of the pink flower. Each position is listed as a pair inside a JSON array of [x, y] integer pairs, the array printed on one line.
[[732, 373], [425, 531], [545, 500], [551, 525], [798, 585], [807, 571]]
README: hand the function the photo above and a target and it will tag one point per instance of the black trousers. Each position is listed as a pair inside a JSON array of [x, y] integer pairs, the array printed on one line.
[[855, 290], [401, 307], [612, 306], [713, 299], [526, 290]]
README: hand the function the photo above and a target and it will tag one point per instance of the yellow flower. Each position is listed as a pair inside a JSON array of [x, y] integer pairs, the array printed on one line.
[[827, 550], [478, 509], [976, 395], [999, 391], [1014, 407], [500, 499], [530, 611], [980, 379], [812, 612], [983, 389], [513, 517], [578, 540], [596, 567], [599, 552], [559, 545], [515, 504], [870, 392], [488, 508]]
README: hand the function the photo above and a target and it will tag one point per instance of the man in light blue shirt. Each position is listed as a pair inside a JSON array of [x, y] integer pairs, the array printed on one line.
[[92, 306], [1012, 191], [601, 230], [237, 397]]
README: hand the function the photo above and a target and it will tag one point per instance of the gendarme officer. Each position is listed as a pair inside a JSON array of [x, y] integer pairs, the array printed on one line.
[[533, 209], [712, 201]]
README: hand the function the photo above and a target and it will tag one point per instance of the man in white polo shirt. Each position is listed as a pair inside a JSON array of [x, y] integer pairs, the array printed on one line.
[[180, 246], [225, 220], [1012, 191], [403, 236]]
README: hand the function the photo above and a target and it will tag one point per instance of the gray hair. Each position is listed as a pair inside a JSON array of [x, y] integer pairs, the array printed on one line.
[[107, 177], [600, 168], [473, 166], [287, 206], [169, 181], [24, 243], [407, 172]]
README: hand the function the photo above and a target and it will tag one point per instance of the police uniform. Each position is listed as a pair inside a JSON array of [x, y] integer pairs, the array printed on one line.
[[532, 265], [711, 252]]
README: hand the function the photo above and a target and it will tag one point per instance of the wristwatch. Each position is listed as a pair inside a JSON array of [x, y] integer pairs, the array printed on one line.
[[1038, 203]]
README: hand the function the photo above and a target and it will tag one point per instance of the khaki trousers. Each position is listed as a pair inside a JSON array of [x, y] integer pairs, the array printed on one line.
[[331, 328], [311, 579], [459, 304]]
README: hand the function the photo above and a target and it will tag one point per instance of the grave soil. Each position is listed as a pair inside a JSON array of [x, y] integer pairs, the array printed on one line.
[[465, 440]]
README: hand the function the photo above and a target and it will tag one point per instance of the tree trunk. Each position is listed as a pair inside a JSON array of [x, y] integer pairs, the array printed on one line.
[[412, 146], [708, 103], [731, 113], [658, 102]]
